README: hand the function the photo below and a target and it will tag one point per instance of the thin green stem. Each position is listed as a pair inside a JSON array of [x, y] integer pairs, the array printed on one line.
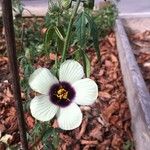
[[67, 39]]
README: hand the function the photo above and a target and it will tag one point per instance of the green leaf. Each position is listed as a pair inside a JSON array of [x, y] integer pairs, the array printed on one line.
[[105, 19], [94, 33], [50, 139], [128, 145], [60, 37], [49, 35], [77, 55], [55, 136], [59, 34], [81, 29], [87, 65]]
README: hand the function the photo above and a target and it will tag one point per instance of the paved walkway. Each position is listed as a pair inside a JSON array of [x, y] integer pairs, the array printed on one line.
[[134, 8], [126, 7]]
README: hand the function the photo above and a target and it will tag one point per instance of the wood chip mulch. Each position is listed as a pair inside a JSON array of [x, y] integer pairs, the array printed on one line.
[[106, 124]]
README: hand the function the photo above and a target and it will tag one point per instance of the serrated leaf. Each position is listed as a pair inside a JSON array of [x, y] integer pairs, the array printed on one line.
[[94, 33]]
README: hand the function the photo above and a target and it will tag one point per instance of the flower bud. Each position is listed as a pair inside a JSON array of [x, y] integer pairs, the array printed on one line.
[[66, 3]]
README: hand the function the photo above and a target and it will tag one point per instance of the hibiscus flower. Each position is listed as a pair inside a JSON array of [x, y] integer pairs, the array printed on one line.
[[62, 97]]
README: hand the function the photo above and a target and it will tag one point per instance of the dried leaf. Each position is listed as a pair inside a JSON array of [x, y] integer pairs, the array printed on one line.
[[104, 95], [108, 112], [2, 129], [29, 120], [83, 128], [112, 41], [6, 138], [96, 133], [86, 142], [116, 142]]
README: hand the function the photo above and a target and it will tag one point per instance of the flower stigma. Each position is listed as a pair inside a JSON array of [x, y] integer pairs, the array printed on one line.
[[62, 94]]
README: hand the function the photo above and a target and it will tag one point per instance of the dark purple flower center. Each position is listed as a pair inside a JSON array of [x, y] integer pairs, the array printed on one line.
[[62, 94]]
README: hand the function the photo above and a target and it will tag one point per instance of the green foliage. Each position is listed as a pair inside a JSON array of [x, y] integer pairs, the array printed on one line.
[[88, 4], [29, 47], [56, 27], [86, 29], [27, 41], [66, 3], [17, 7], [86, 63], [94, 34], [81, 29], [27, 69], [105, 19], [128, 145], [50, 139], [45, 133]]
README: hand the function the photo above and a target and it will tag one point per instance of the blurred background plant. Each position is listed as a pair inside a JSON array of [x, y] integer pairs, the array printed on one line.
[[87, 29], [17, 7], [105, 18]]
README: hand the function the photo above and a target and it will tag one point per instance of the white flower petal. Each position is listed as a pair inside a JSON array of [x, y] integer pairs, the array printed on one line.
[[86, 91], [69, 117], [42, 109], [70, 71], [41, 80]]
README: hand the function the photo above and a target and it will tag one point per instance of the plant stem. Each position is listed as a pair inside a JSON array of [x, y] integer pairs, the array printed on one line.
[[67, 39]]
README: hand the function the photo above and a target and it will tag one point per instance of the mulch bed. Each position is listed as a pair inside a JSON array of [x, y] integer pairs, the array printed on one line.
[[106, 124], [141, 48]]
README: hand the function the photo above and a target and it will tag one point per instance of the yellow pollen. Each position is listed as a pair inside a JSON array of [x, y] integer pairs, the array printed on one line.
[[62, 94]]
